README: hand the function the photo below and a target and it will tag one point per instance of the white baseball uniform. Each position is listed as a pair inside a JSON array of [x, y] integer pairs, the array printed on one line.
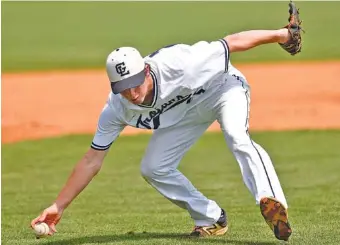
[[194, 85]]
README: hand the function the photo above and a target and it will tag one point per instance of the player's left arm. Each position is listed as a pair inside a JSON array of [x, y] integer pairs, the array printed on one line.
[[289, 37], [245, 40]]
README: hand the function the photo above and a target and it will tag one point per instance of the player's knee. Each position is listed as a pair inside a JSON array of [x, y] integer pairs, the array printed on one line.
[[238, 140], [151, 170], [145, 170]]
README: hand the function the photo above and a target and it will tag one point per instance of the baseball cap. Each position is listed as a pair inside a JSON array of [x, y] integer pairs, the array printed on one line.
[[125, 69]]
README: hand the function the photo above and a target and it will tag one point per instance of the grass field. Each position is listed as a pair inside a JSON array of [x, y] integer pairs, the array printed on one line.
[[120, 208], [67, 35]]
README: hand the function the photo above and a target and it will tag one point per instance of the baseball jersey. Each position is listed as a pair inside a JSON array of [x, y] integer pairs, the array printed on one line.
[[183, 76]]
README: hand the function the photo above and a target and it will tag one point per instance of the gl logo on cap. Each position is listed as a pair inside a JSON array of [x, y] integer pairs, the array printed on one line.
[[121, 69]]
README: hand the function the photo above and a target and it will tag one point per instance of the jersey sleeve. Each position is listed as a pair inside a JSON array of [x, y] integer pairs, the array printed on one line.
[[208, 57], [108, 128]]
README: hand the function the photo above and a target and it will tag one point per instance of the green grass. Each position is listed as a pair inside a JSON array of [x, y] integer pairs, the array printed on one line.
[[119, 207], [69, 35]]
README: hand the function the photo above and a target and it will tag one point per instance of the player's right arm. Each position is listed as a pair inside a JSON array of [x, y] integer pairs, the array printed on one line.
[[245, 40], [108, 130], [81, 176]]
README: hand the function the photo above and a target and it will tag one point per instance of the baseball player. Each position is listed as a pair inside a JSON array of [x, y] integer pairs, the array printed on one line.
[[178, 91]]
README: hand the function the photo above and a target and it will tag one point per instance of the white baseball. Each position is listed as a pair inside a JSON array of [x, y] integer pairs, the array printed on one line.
[[41, 229]]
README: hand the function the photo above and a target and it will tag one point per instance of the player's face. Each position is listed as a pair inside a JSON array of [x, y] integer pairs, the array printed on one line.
[[136, 95]]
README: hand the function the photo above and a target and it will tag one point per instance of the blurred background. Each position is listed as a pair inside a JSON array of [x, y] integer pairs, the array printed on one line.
[[68, 35], [54, 86]]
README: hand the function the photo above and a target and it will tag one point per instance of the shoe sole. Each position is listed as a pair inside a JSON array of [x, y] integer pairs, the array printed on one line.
[[276, 216], [207, 233], [221, 232]]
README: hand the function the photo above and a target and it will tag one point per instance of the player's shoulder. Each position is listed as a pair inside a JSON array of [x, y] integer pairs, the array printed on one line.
[[173, 55], [113, 103], [112, 111], [167, 52], [175, 51], [172, 49], [169, 59]]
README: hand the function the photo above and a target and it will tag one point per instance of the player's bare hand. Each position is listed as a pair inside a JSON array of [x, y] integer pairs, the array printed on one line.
[[50, 216]]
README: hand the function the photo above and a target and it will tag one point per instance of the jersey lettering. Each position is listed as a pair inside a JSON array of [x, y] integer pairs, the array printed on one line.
[[154, 116]]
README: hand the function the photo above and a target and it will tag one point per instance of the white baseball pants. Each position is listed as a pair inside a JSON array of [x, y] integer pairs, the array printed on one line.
[[230, 106]]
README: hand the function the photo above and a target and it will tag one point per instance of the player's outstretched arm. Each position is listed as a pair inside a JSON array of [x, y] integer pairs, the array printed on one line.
[[80, 177], [245, 40], [289, 37]]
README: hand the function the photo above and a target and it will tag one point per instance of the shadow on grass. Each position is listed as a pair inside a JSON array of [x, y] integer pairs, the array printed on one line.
[[131, 236]]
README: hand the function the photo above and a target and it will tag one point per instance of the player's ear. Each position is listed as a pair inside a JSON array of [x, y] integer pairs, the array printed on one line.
[[147, 70]]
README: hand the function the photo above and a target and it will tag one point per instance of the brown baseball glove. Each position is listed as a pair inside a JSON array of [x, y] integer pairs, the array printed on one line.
[[293, 45]]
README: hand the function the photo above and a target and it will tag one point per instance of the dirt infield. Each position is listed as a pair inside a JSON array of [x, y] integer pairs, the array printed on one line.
[[284, 96]]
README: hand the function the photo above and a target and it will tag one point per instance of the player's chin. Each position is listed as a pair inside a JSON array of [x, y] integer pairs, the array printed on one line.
[[137, 101]]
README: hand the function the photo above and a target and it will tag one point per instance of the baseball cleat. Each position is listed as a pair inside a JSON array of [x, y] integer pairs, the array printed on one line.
[[276, 216], [217, 229]]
